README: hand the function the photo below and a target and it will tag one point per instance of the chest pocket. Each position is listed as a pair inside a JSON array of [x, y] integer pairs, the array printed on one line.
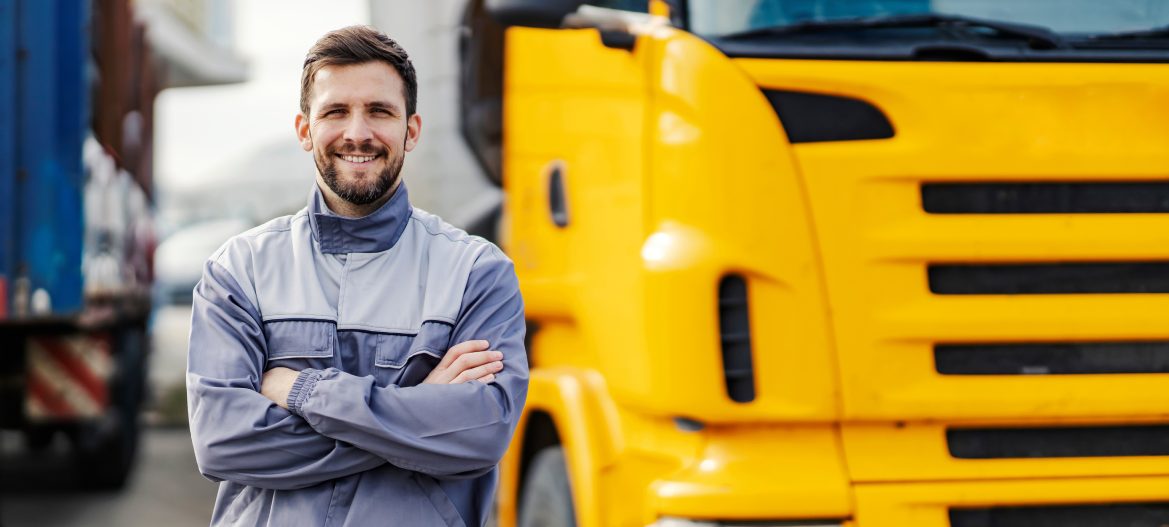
[[406, 360], [299, 344]]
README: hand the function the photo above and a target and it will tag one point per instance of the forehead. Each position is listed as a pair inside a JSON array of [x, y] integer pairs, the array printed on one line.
[[358, 84]]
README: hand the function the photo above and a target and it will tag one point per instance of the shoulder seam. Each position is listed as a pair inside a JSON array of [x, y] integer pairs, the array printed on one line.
[[470, 239]]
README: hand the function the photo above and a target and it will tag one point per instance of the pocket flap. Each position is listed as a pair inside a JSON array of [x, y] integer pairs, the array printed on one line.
[[289, 339], [394, 351]]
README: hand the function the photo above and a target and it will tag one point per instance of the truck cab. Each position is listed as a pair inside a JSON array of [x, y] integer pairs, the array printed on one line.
[[804, 262]]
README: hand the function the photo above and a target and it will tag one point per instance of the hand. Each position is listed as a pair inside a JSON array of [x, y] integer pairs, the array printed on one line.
[[467, 361], [276, 384]]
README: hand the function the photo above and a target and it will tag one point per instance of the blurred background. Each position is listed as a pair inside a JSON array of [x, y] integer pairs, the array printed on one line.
[[183, 110]]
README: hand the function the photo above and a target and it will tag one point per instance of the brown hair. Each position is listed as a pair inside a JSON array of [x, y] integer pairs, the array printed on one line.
[[357, 45]]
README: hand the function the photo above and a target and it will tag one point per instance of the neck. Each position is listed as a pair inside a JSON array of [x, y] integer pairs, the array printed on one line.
[[346, 209]]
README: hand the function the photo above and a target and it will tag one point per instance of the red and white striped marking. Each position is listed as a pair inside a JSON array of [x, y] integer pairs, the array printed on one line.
[[66, 377]]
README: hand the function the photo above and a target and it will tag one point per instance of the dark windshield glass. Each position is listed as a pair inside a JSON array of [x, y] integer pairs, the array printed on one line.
[[714, 18]]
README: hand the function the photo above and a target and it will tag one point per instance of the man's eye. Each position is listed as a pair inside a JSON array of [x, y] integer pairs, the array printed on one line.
[[382, 111], [334, 112]]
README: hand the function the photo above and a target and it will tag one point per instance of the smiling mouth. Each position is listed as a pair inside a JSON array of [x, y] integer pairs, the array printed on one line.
[[357, 159]]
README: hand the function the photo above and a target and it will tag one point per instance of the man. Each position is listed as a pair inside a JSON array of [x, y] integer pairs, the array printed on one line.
[[322, 382]]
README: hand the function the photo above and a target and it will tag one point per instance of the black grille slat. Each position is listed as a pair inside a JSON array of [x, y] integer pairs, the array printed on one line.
[[1072, 358], [735, 338], [1110, 515], [1045, 198], [1056, 278], [1057, 442]]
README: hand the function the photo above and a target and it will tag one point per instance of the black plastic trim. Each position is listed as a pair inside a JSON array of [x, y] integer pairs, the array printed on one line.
[[615, 39], [816, 117], [911, 52], [735, 336], [1068, 358], [1046, 197], [531, 13], [1057, 278], [1079, 441], [1094, 515]]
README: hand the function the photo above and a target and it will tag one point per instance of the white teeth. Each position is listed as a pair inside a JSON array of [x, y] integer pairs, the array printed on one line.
[[358, 159]]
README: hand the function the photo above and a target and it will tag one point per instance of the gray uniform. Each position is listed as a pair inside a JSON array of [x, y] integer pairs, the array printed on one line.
[[364, 308]]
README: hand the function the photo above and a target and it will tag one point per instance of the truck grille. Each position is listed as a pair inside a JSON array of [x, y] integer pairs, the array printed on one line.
[[1060, 278], [1069, 358], [1080, 441], [1112, 515], [1045, 198]]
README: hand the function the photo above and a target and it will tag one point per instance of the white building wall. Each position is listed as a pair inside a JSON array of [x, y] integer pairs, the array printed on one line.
[[442, 174]]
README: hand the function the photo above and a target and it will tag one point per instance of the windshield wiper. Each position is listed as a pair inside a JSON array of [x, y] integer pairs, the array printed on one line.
[[1038, 37], [1156, 32]]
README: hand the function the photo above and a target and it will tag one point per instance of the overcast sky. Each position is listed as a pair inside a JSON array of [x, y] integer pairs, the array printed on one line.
[[200, 130]]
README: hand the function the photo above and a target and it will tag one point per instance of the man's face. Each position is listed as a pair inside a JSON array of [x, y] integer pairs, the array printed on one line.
[[357, 129]]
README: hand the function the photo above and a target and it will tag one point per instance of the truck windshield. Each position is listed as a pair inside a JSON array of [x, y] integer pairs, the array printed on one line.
[[1075, 19]]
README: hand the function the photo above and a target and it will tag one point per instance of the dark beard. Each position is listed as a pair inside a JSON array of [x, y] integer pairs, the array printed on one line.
[[359, 194]]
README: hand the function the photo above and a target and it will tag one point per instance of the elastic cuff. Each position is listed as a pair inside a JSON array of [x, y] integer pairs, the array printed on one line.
[[302, 388]]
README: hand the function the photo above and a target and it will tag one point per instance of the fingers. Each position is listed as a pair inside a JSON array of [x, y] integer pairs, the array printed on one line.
[[461, 348], [478, 372], [474, 359], [487, 379]]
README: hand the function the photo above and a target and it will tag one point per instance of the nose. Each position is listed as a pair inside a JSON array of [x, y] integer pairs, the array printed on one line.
[[357, 130]]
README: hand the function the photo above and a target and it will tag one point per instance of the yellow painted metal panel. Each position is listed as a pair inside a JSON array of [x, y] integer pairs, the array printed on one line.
[[723, 197], [759, 472], [981, 122]]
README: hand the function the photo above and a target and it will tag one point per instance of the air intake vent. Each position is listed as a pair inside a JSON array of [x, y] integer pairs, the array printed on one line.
[[735, 335], [1045, 198], [1063, 278], [1085, 441], [1052, 359], [816, 117], [1112, 515]]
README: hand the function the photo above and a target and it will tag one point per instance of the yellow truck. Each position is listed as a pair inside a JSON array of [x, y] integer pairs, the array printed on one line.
[[810, 262]]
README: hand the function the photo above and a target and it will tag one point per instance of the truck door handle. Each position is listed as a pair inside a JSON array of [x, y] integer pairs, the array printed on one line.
[[557, 201]]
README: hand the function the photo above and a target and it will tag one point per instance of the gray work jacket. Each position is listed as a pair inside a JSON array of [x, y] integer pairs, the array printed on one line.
[[364, 308]]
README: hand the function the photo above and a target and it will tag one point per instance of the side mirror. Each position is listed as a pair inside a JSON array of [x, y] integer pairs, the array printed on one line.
[[532, 13]]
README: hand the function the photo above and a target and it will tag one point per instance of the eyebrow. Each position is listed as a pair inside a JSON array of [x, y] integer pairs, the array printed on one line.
[[393, 108], [385, 104]]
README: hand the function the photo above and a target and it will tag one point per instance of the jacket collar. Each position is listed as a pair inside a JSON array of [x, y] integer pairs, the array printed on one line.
[[374, 233]]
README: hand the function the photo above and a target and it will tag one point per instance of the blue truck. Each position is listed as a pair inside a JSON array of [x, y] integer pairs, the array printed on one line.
[[76, 88]]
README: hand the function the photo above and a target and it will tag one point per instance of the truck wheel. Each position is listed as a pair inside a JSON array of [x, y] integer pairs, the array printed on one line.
[[38, 439], [106, 450], [547, 498], [105, 463]]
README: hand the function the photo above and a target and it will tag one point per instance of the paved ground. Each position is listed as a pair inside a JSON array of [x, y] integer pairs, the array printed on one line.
[[166, 489]]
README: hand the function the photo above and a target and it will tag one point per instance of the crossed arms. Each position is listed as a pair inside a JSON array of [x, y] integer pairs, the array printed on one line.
[[285, 429], [465, 362]]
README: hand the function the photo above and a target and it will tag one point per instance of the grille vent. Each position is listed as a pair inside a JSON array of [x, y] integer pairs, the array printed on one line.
[[1061, 278], [1110, 515], [1045, 198], [1056, 442], [1069, 358], [735, 336]]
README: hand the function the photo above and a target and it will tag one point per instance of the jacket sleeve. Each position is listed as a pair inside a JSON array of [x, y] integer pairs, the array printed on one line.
[[447, 431], [239, 435]]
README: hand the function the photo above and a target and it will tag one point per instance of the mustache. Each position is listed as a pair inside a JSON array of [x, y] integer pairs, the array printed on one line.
[[367, 149]]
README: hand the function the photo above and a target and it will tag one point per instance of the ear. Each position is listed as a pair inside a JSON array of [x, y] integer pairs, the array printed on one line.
[[302, 132], [413, 131]]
